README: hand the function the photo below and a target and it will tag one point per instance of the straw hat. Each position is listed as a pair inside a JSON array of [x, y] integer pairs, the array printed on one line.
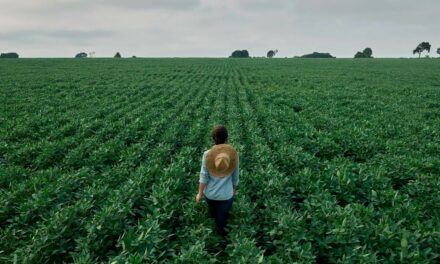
[[221, 160]]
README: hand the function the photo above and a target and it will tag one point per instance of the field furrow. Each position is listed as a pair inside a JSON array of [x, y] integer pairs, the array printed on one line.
[[100, 160]]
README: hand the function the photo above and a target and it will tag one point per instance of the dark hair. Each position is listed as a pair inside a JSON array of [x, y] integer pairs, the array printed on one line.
[[219, 134]]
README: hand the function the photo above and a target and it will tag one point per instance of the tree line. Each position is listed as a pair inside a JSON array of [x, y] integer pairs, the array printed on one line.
[[366, 53], [83, 55], [9, 55]]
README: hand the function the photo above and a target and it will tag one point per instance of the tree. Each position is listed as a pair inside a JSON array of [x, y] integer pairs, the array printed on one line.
[[367, 53], [240, 54], [118, 55], [272, 53], [81, 55], [359, 55], [315, 55], [438, 51], [10, 55], [422, 47]]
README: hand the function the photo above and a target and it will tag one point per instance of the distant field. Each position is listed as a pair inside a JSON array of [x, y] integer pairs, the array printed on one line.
[[100, 158]]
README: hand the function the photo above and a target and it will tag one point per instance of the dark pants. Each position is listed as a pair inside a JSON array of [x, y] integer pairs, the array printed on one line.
[[219, 210]]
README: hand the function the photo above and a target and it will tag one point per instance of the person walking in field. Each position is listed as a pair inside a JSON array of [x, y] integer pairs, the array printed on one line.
[[219, 177]]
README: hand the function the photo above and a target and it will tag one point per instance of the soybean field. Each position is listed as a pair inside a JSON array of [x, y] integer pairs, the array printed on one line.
[[339, 159]]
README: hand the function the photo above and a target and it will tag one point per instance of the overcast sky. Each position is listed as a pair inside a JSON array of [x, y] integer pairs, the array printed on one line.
[[214, 28]]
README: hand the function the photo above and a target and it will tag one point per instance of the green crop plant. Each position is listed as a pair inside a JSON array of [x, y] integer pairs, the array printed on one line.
[[99, 160]]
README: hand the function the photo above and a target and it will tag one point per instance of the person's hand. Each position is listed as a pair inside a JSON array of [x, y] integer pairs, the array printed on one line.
[[234, 190], [198, 198]]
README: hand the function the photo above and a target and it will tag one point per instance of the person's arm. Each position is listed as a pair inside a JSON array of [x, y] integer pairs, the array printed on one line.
[[199, 195], [203, 180], [235, 176]]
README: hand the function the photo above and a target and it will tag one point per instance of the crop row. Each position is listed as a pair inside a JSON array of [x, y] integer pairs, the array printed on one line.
[[99, 161]]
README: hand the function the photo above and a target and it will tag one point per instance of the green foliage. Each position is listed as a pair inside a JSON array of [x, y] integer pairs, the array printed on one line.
[[359, 55], [367, 53], [10, 55], [318, 55], [118, 55], [272, 53], [240, 54], [81, 55], [424, 46], [336, 166]]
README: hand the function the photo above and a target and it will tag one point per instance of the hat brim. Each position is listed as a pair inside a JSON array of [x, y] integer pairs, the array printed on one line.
[[210, 160]]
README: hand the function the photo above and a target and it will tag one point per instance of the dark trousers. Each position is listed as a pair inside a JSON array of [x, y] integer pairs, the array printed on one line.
[[219, 210]]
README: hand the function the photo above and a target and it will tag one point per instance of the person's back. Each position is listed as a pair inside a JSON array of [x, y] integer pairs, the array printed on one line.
[[219, 188], [219, 177]]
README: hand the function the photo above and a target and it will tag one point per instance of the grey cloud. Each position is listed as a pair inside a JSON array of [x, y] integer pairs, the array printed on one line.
[[215, 27], [41, 6], [55, 35], [153, 4]]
